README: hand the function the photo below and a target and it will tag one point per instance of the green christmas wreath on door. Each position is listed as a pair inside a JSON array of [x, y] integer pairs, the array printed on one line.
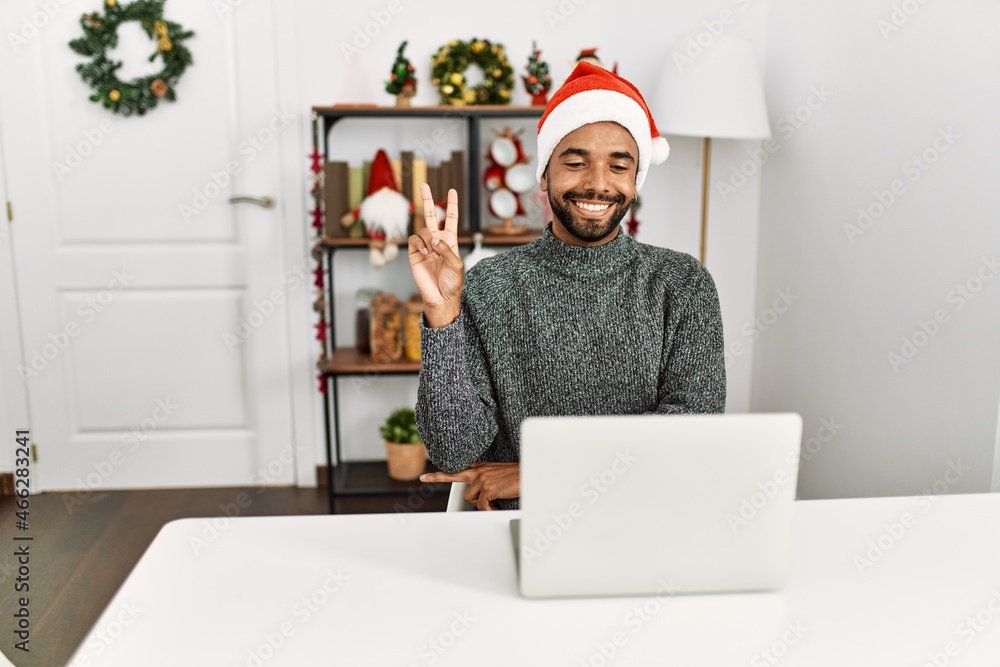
[[100, 34]]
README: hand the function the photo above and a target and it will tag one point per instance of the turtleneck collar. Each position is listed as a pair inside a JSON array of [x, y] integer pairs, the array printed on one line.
[[584, 262]]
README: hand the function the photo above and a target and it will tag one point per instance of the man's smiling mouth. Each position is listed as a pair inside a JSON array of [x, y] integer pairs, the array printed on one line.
[[592, 208]]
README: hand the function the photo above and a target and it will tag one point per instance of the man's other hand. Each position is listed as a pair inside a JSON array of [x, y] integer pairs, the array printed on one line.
[[488, 482]]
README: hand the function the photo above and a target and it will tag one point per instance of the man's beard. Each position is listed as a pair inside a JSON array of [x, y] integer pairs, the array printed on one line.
[[588, 231]]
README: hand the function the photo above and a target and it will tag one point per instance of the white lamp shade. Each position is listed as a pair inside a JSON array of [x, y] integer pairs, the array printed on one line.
[[717, 94]]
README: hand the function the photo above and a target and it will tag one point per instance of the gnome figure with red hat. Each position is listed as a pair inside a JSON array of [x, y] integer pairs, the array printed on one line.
[[385, 213]]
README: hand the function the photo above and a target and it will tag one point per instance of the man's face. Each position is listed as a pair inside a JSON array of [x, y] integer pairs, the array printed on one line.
[[590, 180]]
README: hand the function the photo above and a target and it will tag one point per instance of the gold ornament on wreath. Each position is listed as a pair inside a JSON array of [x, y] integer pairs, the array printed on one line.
[[449, 66]]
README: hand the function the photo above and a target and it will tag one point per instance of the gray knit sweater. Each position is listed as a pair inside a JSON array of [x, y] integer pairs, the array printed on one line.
[[554, 329]]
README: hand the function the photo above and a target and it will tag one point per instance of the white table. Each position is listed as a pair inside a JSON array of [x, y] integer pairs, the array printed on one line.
[[440, 589]]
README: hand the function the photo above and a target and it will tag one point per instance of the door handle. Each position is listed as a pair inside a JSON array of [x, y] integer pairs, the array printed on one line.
[[264, 202]]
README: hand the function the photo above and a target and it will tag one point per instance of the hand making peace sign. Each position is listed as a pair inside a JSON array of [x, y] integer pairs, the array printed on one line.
[[437, 267]]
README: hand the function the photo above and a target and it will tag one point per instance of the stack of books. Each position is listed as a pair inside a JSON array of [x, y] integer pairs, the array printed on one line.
[[346, 186]]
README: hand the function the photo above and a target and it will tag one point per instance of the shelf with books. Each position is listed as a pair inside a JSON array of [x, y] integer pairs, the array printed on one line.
[[343, 185], [462, 169]]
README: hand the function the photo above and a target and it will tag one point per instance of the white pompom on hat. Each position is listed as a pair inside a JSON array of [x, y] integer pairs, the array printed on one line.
[[592, 94]]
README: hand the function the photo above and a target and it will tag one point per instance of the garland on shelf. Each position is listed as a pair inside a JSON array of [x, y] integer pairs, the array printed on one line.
[[454, 58], [100, 34], [319, 304]]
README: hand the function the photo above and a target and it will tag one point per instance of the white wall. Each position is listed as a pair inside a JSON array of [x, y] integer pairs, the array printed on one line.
[[897, 429], [635, 34]]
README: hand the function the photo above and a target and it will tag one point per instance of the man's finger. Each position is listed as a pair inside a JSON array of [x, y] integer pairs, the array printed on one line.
[[427, 235], [444, 477], [421, 242], [430, 210], [451, 212], [417, 246], [483, 503], [472, 493], [451, 259]]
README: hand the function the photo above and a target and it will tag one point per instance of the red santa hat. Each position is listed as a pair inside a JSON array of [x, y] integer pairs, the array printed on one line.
[[592, 94]]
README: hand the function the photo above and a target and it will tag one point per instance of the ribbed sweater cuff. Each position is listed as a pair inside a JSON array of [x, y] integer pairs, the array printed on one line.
[[442, 349]]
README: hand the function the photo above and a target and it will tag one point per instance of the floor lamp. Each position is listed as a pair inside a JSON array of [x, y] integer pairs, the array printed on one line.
[[718, 94]]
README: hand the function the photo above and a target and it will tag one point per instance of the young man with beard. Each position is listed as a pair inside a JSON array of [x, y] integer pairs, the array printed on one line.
[[583, 321]]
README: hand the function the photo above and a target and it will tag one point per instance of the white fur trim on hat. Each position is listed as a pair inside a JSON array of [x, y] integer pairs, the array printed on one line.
[[594, 106], [661, 149]]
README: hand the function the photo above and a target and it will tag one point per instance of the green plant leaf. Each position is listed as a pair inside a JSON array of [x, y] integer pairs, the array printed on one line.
[[400, 427]]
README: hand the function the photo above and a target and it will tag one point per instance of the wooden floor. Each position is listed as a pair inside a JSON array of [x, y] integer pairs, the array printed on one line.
[[83, 548]]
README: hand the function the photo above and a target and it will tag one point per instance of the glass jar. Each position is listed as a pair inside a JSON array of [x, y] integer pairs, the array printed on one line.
[[386, 328], [362, 319], [411, 327]]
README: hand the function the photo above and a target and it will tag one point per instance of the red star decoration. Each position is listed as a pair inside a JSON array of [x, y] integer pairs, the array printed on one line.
[[318, 276], [321, 331], [317, 215], [317, 165], [633, 226], [322, 383]]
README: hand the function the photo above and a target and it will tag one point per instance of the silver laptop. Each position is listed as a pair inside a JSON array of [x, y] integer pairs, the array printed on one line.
[[655, 504]]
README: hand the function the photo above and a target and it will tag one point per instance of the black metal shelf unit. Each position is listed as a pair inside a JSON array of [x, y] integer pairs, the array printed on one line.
[[365, 477]]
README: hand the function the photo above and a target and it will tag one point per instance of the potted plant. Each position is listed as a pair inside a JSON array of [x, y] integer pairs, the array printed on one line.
[[405, 453]]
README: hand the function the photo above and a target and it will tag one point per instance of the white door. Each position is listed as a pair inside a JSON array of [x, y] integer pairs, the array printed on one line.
[[151, 310]]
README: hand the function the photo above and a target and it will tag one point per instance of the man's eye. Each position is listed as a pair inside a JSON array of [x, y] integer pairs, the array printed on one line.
[[574, 164]]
